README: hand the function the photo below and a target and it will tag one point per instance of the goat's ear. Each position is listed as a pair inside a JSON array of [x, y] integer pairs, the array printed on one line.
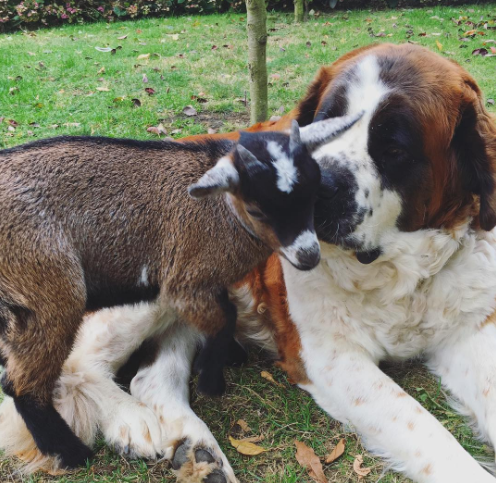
[[474, 143], [222, 178]]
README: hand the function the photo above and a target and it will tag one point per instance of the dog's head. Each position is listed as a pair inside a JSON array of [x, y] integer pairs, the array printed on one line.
[[422, 156]]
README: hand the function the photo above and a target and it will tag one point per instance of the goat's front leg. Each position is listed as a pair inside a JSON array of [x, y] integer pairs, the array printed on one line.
[[163, 386], [350, 387], [467, 367]]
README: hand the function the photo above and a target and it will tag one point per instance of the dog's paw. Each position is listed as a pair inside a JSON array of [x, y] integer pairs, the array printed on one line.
[[133, 431], [199, 464], [195, 455]]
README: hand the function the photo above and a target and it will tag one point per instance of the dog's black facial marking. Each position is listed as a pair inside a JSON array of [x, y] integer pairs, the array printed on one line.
[[396, 147], [336, 210]]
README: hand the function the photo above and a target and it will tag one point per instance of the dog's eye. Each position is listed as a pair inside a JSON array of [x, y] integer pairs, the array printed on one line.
[[394, 153], [257, 214]]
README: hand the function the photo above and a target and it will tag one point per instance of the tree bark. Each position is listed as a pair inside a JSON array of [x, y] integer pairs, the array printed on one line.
[[299, 10], [256, 19]]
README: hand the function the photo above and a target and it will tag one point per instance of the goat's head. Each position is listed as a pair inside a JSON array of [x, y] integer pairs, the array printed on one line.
[[271, 182]]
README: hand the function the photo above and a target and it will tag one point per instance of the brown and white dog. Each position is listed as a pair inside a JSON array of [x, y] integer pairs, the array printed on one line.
[[405, 214]]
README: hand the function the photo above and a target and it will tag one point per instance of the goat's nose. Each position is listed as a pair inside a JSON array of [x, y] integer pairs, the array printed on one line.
[[328, 188], [308, 259]]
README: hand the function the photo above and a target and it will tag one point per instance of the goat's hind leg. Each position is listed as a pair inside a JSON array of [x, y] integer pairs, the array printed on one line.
[[219, 349], [37, 337]]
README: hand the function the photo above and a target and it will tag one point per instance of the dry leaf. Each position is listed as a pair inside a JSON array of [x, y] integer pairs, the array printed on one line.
[[336, 452], [145, 78], [143, 56], [190, 111], [246, 448], [211, 130], [268, 376], [122, 38], [72, 124], [308, 459], [136, 102], [158, 130], [104, 49], [439, 45], [101, 71], [240, 422], [150, 91], [357, 467], [103, 89]]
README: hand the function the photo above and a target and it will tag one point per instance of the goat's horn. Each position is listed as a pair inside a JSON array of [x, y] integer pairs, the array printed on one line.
[[294, 135], [322, 132]]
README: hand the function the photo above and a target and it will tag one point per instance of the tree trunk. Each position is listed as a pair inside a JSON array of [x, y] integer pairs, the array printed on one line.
[[256, 19], [299, 9]]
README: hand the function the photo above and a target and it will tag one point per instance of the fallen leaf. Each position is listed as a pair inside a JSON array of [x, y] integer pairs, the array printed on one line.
[[336, 452], [190, 111], [119, 99], [357, 467], [122, 38], [143, 56], [214, 47], [104, 49], [103, 89], [211, 130], [493, 50], [246, 448], [307, 458], [175, 37], [149, 91], [308, 44], [482, 52], [14, 123], [176, 131], [136, 102], [72, 124], [439, 45], [101, 71], [145, 78], [13, 90], [268, 376], [275, 76], [490, 102], [158, 130], [240, 422]]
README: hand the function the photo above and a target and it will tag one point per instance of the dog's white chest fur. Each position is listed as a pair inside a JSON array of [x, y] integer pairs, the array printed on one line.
[[428, 287]]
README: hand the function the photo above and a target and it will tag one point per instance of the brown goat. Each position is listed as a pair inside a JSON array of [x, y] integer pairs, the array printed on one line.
[[87, 223]]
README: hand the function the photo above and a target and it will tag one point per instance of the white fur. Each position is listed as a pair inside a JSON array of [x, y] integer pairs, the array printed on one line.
[[287, 175], [143, 280], [428, 294]]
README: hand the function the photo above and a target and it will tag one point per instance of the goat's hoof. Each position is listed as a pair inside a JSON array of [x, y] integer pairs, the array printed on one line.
[[198, 465], [212, 383]]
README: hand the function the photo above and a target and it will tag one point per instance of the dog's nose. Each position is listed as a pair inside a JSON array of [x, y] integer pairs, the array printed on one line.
[[328, 188]]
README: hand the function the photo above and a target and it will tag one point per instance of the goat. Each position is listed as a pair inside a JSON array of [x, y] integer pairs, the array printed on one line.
[[90, 222]]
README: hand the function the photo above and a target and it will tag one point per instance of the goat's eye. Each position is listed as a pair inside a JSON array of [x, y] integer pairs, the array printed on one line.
[[257, 214]]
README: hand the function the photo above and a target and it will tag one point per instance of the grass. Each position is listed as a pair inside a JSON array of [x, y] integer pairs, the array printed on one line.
[[49, 86]]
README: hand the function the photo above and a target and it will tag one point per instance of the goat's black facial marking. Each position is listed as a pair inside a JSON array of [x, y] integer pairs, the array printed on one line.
[[285, 204]]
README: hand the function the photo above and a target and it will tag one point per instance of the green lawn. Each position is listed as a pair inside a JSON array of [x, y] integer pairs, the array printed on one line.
[[55, 82]]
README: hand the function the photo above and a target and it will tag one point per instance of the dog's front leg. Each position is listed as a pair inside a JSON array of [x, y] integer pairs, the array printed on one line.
[[352, 389], [163, 385], [467, 367]]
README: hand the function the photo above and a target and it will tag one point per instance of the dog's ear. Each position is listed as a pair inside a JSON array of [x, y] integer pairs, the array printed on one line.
[[309, 105], [474, 143]]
